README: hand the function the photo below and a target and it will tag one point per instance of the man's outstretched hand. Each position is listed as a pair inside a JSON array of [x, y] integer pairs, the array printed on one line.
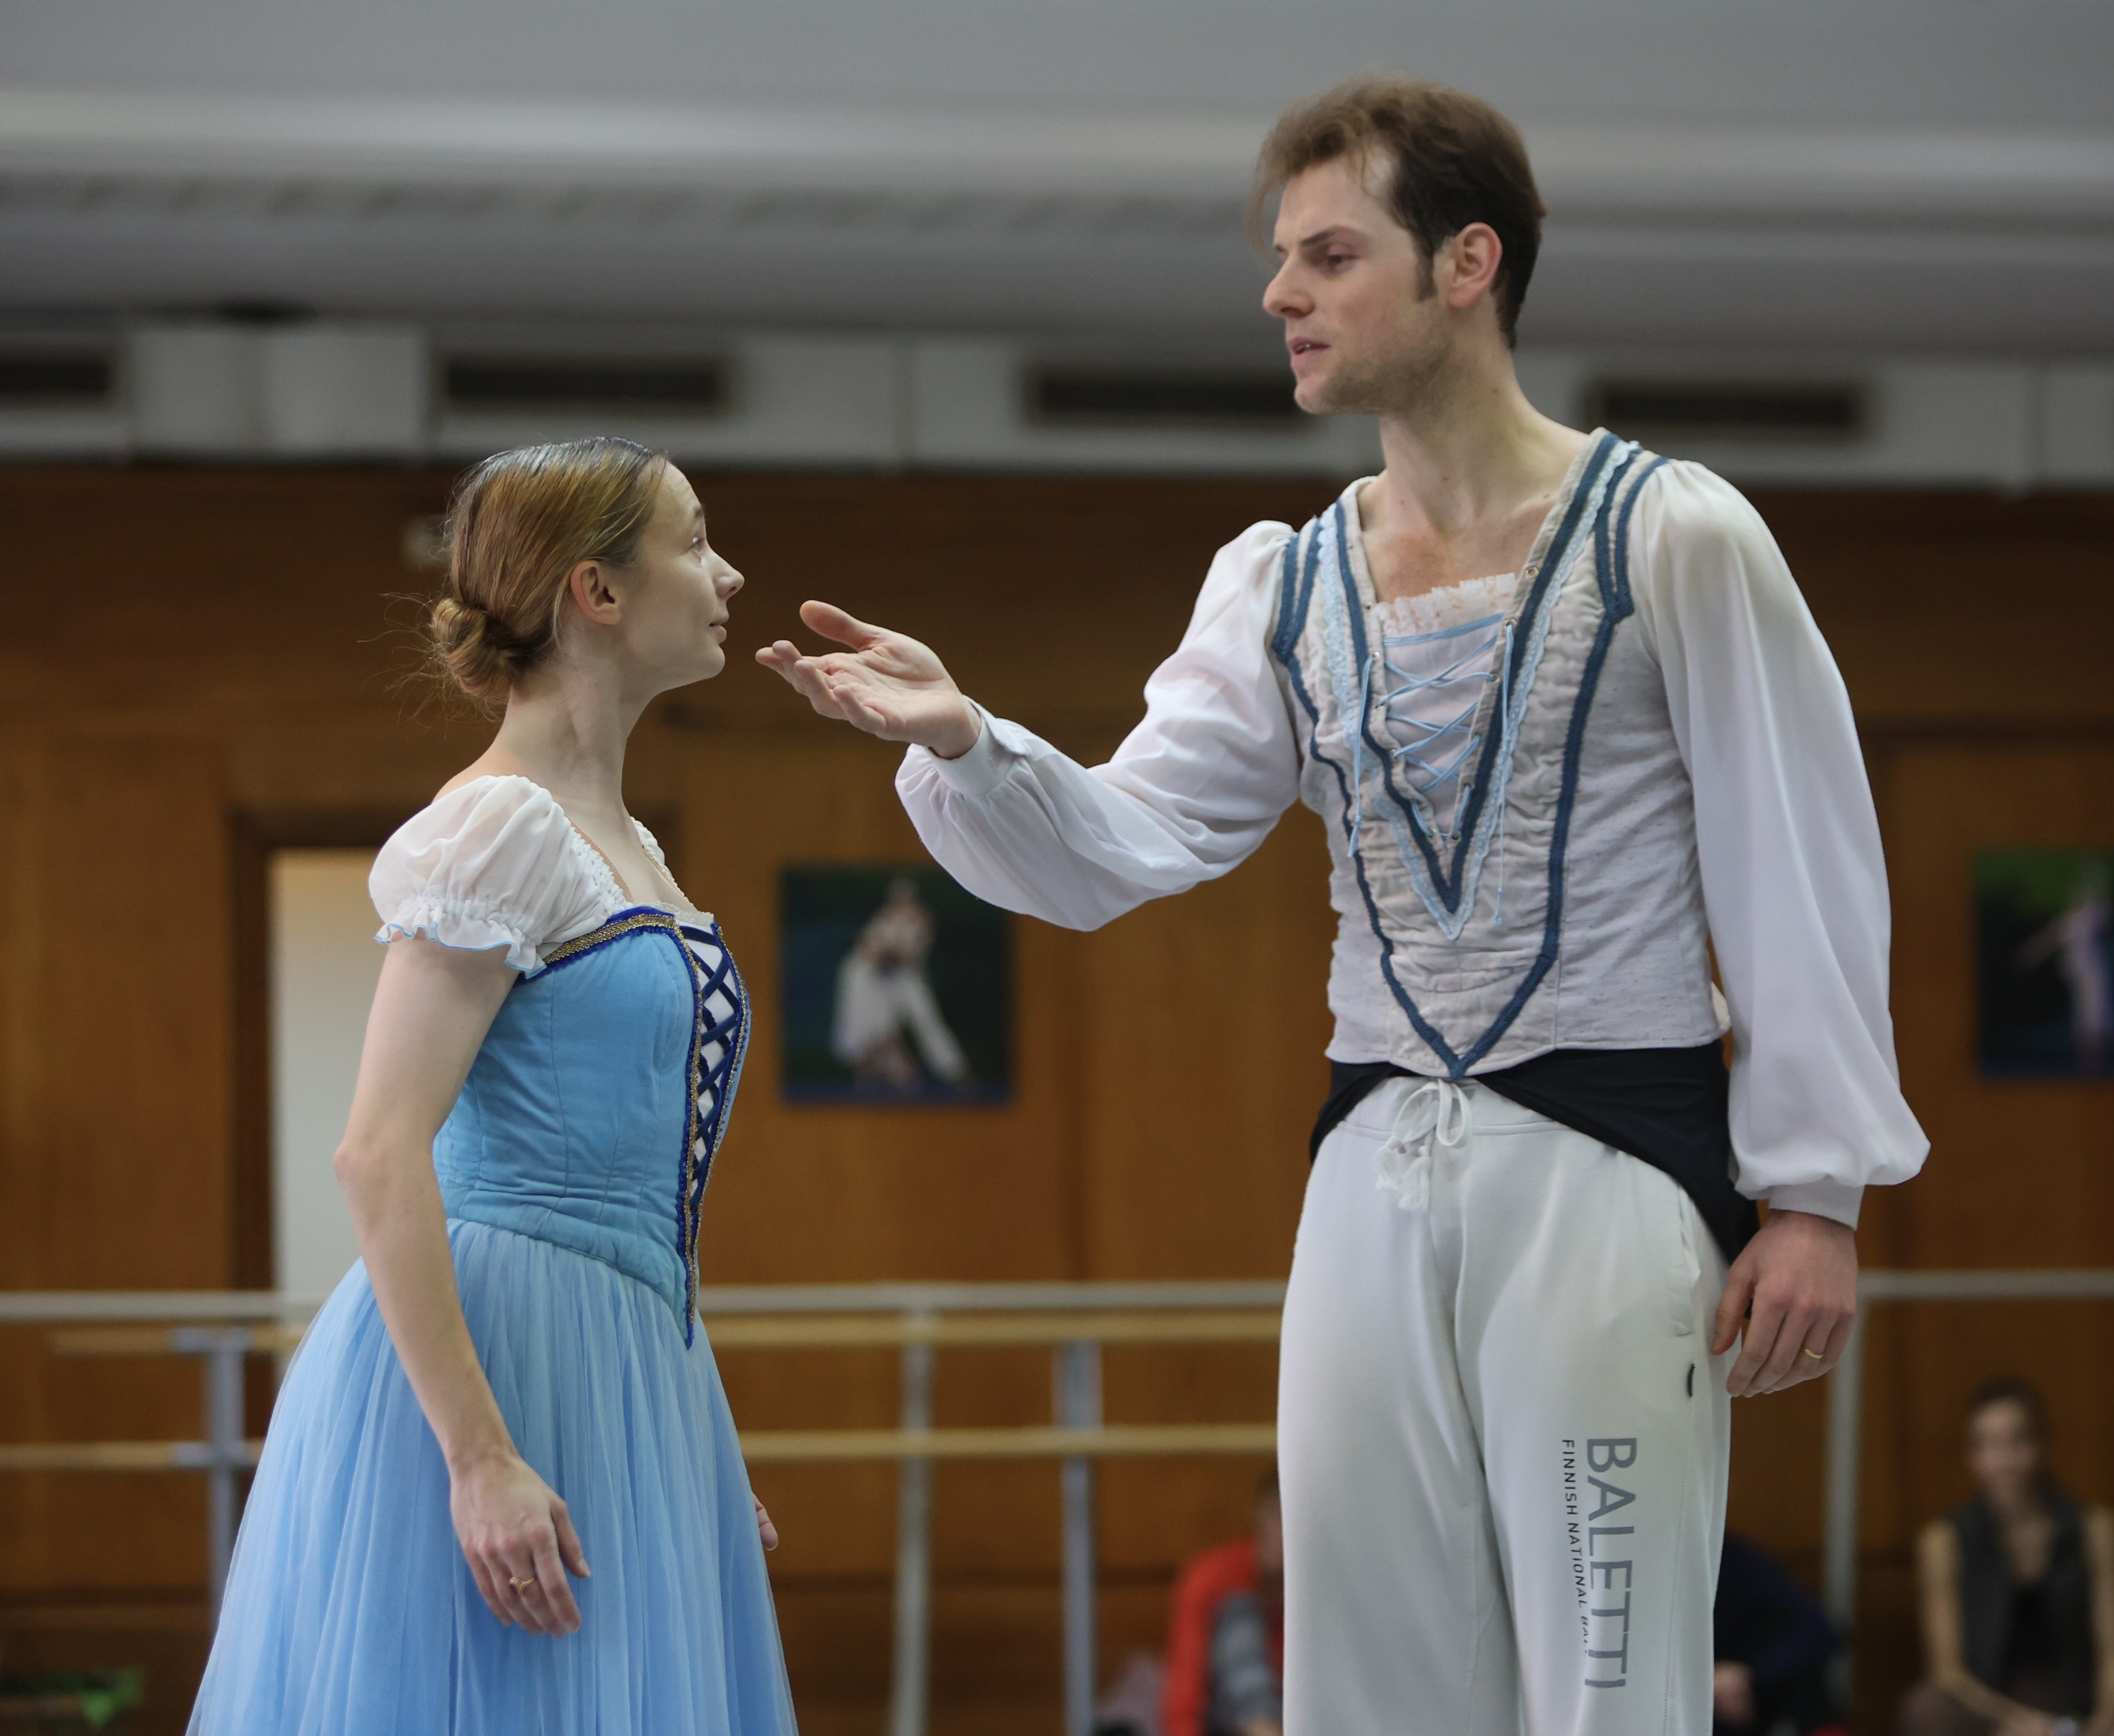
[[1799, 1278], [885, 684]]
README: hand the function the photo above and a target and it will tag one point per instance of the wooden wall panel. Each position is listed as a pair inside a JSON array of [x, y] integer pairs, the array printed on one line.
[[228, 650], [117, 1066]]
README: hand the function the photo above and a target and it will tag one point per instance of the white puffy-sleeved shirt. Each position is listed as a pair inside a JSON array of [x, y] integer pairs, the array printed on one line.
[[497, 863], [1779, 843]]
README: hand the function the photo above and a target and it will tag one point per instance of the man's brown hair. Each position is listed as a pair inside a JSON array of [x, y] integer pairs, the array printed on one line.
[[1456, 161]]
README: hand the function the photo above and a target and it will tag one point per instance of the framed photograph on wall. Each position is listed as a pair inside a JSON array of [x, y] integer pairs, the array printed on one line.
[[2046, 950], [897, 988]]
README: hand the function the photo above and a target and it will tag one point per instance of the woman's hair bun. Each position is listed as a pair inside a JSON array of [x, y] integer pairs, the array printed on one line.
[[519, 524]]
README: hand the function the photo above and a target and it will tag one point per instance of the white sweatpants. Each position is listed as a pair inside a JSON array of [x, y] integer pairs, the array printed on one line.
[[1502, 1438]]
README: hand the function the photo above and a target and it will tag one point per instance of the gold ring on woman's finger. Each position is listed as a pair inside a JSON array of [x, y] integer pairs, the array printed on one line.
[[518, 1584], [1815, 1355]]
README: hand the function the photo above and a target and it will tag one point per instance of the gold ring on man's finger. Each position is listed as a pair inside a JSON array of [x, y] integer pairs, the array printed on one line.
[[518, 1584], [1814, 1354]]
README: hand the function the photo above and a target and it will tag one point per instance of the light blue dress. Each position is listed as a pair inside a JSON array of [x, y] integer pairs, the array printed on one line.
[[572, 1167]]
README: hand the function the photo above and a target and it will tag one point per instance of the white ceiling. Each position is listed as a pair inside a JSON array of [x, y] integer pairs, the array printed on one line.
[[1913, 174]]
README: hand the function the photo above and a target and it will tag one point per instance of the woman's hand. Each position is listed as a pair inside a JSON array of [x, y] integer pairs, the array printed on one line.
[[887, 685], [766, 1532], [520, 1542]]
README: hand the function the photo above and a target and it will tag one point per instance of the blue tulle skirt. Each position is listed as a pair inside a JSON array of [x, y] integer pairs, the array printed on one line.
[[350, 1609]]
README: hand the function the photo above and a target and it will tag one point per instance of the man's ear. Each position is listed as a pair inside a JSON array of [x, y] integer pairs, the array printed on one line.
[[593, 593], [1468, 265]]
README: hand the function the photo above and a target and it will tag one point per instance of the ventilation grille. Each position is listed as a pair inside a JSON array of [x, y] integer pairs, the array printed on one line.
[[55, 379], [1119, 398], [666, 386], [1770, 411]]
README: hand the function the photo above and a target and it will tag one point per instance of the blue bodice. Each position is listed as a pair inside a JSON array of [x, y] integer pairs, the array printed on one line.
[[592, 1115]]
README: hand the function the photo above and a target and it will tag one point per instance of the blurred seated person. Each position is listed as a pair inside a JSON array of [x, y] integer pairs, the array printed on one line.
[[1226, 1645], [2017, 1592], [1773, 1642]]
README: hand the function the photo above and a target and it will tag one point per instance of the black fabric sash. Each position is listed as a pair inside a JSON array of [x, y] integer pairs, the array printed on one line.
[[1665, 1106]]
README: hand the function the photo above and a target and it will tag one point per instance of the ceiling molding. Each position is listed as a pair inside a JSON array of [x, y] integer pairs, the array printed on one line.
[[912, 161]]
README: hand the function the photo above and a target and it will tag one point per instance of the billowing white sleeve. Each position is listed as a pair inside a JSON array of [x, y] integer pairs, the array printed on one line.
[[1793, 880], [1192, 791]]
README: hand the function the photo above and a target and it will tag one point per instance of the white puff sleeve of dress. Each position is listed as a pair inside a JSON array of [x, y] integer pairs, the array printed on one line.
[[1190, 794], [1794, 883], [493, 863]]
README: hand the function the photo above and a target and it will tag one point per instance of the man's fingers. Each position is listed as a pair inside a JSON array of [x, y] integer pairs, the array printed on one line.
[[833, 623], [1828, 1338], [855, 708], [1794, 1331], [809, 677], [1732, 1307], [1755, 1347]]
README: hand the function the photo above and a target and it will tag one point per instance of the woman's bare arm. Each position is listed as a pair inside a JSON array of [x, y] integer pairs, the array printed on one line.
[[432, 1010]]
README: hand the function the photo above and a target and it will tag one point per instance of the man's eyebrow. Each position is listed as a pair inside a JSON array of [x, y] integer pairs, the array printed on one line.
[[1323, 233]]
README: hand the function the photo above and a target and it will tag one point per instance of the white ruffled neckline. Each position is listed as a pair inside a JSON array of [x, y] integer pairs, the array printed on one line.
[[598, 867]]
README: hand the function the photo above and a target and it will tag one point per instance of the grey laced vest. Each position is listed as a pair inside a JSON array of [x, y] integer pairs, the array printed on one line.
[[1564, 908]]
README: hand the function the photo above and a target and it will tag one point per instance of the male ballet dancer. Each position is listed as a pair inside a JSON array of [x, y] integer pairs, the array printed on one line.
[[1570, 727]]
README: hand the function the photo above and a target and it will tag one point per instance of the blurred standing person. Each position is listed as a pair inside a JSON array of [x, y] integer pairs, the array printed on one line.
[[1571, 730], [2016, 1589]]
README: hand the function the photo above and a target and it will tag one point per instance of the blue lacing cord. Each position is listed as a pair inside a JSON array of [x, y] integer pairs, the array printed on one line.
[[1428, 776], [1421, 756]]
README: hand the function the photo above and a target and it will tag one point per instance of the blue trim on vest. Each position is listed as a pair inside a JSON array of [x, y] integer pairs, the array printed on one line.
[[1611, 532], [1294, 597], [1284, 648], [1612, 554]]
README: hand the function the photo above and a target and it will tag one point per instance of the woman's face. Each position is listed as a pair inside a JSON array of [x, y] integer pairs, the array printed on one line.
[[2002, 1450], [675, 595]]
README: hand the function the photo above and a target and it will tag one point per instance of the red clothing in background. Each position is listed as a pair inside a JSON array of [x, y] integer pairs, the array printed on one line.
[[1206, 1582]]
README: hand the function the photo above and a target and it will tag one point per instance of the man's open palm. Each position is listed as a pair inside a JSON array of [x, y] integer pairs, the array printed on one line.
[[886, 684]]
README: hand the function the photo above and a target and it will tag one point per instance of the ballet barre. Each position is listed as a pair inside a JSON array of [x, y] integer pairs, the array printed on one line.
[[1073, 1322]]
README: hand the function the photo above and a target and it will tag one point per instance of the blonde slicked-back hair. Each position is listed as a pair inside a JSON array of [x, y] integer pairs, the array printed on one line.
[[1453, 159], [517, 526]]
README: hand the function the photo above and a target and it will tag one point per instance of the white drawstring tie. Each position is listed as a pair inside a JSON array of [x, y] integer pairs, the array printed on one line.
[[1438, 1112]]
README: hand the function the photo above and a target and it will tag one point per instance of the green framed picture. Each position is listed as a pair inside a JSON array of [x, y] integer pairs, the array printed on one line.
[[2046, 950], [896, 987]]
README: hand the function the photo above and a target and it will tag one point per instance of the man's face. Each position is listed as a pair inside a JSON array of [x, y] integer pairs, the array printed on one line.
[[1364, 329]]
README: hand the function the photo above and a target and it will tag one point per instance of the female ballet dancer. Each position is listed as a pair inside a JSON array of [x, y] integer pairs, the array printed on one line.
[[510, 1384]]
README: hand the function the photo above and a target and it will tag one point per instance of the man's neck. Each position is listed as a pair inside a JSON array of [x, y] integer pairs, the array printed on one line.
[[1468, 450]]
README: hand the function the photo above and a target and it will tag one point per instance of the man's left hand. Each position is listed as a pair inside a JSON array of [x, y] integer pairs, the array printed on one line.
[[1795, 1287]]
